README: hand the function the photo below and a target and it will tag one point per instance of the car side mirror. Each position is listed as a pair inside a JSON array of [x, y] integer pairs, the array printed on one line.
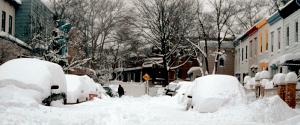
[[54, 87]]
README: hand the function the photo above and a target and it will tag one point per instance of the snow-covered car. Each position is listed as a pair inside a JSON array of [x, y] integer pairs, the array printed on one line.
[[92, 87], [82, 88], [76, 89], [172, 88], [45, 77], [212, 92]]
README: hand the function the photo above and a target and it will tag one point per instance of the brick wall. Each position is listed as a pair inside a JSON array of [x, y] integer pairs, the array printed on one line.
[[10, 50], [228, 68]]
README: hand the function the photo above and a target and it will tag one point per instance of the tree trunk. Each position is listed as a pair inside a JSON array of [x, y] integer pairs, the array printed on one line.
[[206, 58]]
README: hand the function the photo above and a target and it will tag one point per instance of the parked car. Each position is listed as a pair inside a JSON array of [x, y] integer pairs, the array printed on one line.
[[172, 88], [110, 92], [45, 77], [76, 89]]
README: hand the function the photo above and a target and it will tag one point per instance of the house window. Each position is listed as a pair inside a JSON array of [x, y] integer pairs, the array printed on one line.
[[287, 36], [242, 54], [272, 41], [10, 25], [246, 52], [260, 42], [3, 21], [250, 49], [296, 32], [255, 46], [279, 38], [221, 62], [266, 40], [239, 60]]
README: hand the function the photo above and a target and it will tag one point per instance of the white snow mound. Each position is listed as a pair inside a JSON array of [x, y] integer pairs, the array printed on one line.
[[257, 76], [267, 84], [264, 75], [215, 91], [291, 77], [246, 79], [272, 110], [279, 79]]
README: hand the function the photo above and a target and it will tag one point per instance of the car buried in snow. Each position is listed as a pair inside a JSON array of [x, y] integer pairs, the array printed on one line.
[[45, 77]]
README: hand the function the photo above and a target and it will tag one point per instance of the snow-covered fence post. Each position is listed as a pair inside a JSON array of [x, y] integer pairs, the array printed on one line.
[[266, 85], [279, 79], [291, 82], [257, 84]]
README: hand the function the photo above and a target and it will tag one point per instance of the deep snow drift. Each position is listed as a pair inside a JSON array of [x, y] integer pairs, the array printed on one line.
[[147, 110], [212, 92]]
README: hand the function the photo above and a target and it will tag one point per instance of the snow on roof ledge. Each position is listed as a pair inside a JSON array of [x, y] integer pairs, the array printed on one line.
[[192, 69], [18, 1], [14, 39]]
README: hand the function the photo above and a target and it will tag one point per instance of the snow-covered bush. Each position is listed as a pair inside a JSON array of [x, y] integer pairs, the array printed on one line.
[[212, 92], [34, 74], [291, 77], [279, 79]]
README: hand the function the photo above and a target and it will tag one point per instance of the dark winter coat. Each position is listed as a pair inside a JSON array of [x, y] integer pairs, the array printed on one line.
[[120, 91]]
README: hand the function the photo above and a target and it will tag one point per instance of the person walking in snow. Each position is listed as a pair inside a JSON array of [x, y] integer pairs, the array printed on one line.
[[120, 91]]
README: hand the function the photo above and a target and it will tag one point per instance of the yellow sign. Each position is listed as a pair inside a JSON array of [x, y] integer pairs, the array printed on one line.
[[146, 77]]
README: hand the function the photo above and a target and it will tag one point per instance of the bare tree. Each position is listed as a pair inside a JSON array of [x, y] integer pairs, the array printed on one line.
[[95, 19], [222, 22], [165, 24]]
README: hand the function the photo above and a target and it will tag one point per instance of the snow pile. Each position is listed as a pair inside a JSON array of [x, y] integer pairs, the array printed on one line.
[[33, 74], [249, 82], [10, 95], [215, 91], [291, 77], [267, 84], [264, 75], [279, 79], [257, 78], [272, 110], [246, 79], [267, 110]]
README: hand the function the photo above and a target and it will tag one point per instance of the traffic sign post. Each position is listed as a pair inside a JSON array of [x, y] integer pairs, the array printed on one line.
[[147, 78]]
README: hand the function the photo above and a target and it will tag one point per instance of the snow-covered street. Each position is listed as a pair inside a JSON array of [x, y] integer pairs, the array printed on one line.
[[146, 110]]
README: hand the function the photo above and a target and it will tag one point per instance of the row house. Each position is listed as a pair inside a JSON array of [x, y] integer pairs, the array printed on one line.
[[10, 46], [20, 21], [271, 44]]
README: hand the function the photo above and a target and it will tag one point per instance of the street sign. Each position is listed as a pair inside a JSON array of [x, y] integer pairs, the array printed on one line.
[[146, 77]]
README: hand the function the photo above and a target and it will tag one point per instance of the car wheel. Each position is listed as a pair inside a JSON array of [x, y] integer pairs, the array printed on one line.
[[86, 99], [77, 101]]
